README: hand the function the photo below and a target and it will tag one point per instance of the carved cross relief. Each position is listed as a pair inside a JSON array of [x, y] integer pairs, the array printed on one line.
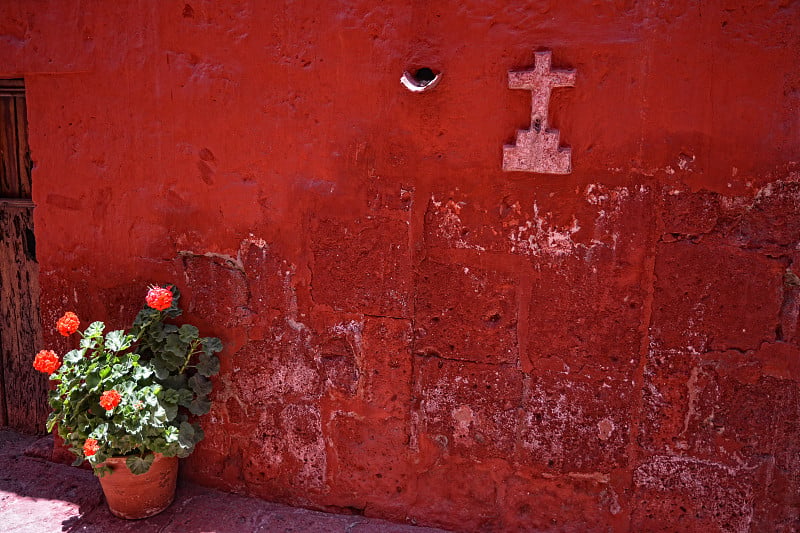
[[537, 149]]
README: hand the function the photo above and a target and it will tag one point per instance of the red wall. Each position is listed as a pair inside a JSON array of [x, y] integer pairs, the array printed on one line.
[[410, 331]]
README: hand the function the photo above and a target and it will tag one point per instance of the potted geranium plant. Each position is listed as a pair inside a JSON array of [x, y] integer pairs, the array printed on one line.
[[123, 400]]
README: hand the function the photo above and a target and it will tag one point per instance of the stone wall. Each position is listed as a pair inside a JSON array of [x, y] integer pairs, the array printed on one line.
[[411, 331]]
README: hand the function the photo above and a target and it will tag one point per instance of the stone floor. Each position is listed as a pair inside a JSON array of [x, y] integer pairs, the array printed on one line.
[[37, 495]]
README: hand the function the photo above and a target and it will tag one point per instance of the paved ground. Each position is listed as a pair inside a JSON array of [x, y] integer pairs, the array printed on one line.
[[38, 496]]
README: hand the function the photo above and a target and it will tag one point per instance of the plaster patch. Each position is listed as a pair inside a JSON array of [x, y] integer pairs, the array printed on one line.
[[291, 301], [228, 260], [539, 236], [258, 242], [450, 226], [463, 418], [605, 428]]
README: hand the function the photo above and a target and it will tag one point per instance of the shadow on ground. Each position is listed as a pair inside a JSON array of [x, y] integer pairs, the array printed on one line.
[[39, 496]]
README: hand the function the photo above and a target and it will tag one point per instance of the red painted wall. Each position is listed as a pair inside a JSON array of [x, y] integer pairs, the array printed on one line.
[[410, 331]]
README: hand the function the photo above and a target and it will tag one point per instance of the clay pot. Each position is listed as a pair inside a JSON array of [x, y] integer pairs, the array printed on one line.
[[131, 496]]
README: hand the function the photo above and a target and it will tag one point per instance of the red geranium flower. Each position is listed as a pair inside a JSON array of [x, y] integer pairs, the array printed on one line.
[[90, 447], [46, 361], [110, 399], [159, 298], [68, 324]]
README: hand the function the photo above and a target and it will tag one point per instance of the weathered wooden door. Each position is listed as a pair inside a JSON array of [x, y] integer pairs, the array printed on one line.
[[23, 391]]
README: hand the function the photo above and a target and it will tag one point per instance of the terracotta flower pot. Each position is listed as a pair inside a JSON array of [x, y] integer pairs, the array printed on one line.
[[131, 496]]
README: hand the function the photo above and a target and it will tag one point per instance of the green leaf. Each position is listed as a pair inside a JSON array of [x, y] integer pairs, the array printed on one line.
[[188, 333], [176, 382], [100, 432], [187, 444], [200, 385], [171, 411], [140, 465], [95, 329], [187, 434], [93, 379], [171, 360], [161, 370], [159, 415], [175, 347], [141, 373], [208, 365], [117, 341], [173, 312], [170, 396], [89, 343], [212, 345], [171, 450], [149, 397], [185, 397], [102, 471], [73, 356], [52, 419], [176, 292], [199, 406]]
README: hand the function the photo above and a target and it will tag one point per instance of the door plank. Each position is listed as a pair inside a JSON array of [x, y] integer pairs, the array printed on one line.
[[20, 328], [23, 151], [9, 150]]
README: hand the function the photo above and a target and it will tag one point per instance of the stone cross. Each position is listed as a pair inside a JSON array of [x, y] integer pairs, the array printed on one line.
[[537, 149]]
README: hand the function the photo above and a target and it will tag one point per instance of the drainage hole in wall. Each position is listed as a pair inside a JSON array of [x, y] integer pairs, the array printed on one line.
[[424, 76], [420, 80]]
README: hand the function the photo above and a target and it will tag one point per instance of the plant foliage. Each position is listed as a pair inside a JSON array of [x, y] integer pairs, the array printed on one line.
[[132, 393]]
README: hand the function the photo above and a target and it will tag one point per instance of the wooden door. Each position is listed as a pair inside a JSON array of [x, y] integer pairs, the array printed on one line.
[[23, 391]]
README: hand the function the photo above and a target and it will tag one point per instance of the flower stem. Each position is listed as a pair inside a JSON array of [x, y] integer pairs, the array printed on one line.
[[192, 351]]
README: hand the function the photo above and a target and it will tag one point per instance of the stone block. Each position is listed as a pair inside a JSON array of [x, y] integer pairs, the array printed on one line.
[[281, 368], [284, 458], [267, 279], [574, 425], [667, 387], [362, 265], [470, 409], [718, 407], [771, 220], [760, 417], [387, 375], [338, 364], [462, 492], [365, 358], [689, 214], [709, 296], [561, 504], [370, 465], [586, 313], [544, 227], [465, 313], [673, 493], [217, 290]]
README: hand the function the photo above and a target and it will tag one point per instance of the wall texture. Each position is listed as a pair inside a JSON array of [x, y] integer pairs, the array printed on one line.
[[411, 332]]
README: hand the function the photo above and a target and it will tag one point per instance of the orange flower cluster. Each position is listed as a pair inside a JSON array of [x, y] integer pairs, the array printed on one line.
[[68, 324], [46, 361], [109, 399], [159, 298], [90, 447]]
